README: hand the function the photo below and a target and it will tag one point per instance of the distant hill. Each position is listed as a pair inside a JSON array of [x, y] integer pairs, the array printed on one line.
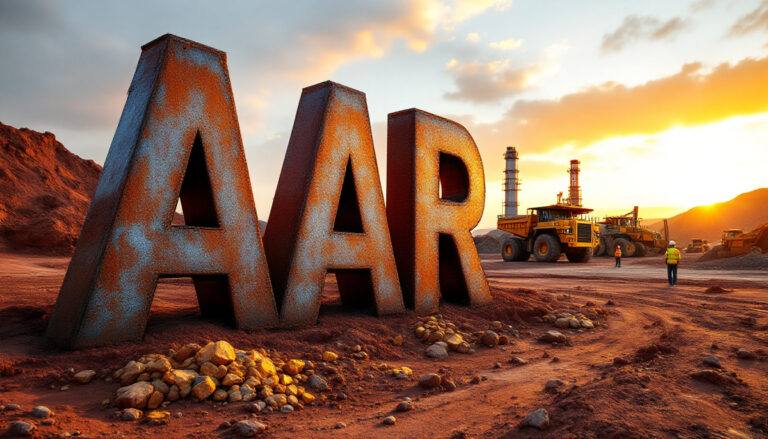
[[746, 211], [45, 191]]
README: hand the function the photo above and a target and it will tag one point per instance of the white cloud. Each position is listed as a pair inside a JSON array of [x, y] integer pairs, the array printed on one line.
[[508, 44]]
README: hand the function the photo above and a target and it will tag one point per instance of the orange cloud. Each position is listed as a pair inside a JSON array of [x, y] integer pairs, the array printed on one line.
[[688, 98]]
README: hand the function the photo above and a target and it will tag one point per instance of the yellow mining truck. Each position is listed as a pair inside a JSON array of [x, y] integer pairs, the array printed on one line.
[[626, 232], [697, 245], [549, 231]]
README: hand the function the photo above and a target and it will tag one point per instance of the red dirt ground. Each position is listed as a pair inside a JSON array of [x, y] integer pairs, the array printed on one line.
[[661, 334]]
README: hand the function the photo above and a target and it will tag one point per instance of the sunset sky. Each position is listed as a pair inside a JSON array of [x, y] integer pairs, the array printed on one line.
[[664, 102]]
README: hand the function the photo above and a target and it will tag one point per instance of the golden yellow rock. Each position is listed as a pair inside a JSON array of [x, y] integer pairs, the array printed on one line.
[[291, 389], [155, 400], [209, 369], [285, 379], [157, 414], [159, 365], [266, 367], [204, 388], [397, 340], [231, 379], [453, 341], [420, 331], [186, 352], [329, 356], [219, 352], [307, 398], [180, 376], [293, 367]]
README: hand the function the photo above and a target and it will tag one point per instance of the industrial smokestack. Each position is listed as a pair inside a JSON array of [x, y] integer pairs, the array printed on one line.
[[574, 190], [511, 183]]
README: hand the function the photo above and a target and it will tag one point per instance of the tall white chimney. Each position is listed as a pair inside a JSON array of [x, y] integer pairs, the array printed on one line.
[[511, 183]]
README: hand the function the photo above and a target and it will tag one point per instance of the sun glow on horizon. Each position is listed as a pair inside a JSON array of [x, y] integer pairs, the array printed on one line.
[[682, 168]]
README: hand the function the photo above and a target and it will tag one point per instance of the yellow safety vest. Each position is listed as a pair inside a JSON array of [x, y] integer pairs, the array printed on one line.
[[672, 256]]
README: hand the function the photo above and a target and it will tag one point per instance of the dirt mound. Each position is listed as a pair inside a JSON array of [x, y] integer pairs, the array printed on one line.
[[45, 191], [751, 261], [717, 289], [491, 241]]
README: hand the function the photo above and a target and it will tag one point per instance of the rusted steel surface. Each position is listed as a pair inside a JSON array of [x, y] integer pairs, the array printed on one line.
[[430, 230], [328, 212], [180, 111]]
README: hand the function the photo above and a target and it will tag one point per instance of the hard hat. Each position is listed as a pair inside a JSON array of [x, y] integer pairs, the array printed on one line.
[[672, 243]]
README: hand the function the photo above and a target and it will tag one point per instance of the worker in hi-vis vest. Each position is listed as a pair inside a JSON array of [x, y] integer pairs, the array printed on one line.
[[672, 258], [617, 255]]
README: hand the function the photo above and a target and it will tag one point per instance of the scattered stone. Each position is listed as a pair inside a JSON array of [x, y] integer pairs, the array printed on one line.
[[503, 339], [537, 418], [620, 361], [490, 339], [404, 406], [517, 361], [711, 362], [330, 357], [64, 387], [48, 421], [553, 385], [84, 376], [256, 407], [249, 428], [134, 396], [12, 407], [563, 322], [21, 428], [316, 382], [715, 377], [130, 414], [430, 381], [437, 350], [340, 425], [449, 385], [286, 409], [745, 354], [397, 340], [42, 412], [389, 420], [553, 337], [497, 366]]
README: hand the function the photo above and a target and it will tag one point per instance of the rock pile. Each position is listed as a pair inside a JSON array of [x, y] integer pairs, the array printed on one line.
[[565, 320], [220, 372], [445, 336]]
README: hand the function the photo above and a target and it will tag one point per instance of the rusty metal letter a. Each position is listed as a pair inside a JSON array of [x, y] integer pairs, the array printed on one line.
[[435, 196], [328, 213], [178, 138]]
